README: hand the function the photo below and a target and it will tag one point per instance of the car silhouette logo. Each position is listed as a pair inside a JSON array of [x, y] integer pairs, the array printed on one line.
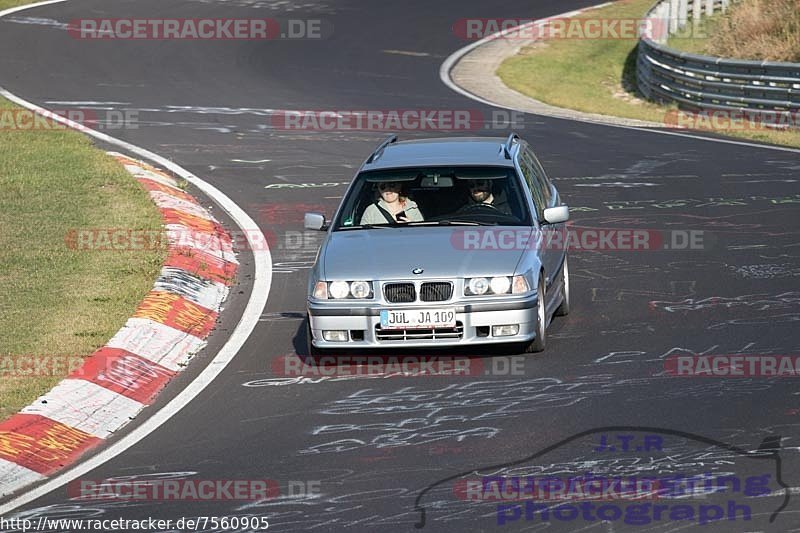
[[417, 271]]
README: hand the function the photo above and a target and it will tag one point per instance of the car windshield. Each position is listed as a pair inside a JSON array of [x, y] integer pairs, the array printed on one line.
[[431, 196]]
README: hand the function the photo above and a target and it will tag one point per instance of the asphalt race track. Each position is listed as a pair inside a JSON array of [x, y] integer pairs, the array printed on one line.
[[383, 450]]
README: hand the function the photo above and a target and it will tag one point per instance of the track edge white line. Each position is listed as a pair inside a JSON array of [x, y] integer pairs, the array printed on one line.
[[262, 282]]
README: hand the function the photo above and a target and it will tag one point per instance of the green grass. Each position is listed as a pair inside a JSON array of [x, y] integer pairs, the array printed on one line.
[[751, 29], [696, 41], [5, 4], [599, 76], [56, 301]]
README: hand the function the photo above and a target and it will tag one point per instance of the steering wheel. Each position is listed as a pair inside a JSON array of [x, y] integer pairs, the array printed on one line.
[[478, 205]]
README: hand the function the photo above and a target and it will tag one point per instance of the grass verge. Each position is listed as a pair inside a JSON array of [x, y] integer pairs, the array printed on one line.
[[764, 30], [599, 76], [5, 4], [56, 301]]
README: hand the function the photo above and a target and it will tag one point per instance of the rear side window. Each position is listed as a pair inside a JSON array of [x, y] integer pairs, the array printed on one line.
[[547, 189], [534, 184], [540, 176]]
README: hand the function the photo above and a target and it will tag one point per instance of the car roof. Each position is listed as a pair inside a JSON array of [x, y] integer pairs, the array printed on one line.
[[443, 151]]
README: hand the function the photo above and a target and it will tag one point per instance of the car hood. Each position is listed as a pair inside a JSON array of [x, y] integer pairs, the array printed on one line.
[[392, 253]]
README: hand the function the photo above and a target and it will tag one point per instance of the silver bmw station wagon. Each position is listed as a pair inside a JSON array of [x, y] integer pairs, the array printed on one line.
[[441, 242]]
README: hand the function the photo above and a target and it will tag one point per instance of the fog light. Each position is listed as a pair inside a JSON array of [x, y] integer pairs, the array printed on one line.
[[505, 331], [332, 335]]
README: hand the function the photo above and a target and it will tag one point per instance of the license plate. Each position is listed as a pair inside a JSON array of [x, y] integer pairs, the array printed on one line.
[[418, 318]]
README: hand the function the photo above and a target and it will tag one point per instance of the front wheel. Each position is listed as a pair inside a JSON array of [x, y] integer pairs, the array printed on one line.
[[563, 309], [538, 344]]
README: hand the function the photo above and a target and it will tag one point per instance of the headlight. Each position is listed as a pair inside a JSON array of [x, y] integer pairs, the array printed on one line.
[[500, 285], [360, 289], [496, 285], [341, 290], [477, 286]]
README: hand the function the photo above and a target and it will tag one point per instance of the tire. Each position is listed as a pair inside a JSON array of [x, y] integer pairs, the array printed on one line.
[[563, 309], [538, 344]]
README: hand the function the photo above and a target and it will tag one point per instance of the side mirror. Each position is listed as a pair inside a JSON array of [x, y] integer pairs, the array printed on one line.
[[314, 221], [556, 215]]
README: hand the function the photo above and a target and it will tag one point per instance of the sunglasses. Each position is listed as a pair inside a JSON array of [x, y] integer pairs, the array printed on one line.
[[389, 186]]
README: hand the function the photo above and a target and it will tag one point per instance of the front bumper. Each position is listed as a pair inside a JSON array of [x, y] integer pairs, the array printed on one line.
[[474, 320]]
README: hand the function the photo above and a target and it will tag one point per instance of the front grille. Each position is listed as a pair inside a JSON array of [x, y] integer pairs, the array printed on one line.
[[436, 291], [398, 293], [419, 334]]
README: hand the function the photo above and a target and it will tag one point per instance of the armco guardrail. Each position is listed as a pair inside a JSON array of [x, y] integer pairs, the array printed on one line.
[[704, 83]]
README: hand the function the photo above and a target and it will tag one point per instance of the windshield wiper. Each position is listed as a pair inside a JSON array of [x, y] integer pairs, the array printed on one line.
[[451, 223], [368, 226]]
